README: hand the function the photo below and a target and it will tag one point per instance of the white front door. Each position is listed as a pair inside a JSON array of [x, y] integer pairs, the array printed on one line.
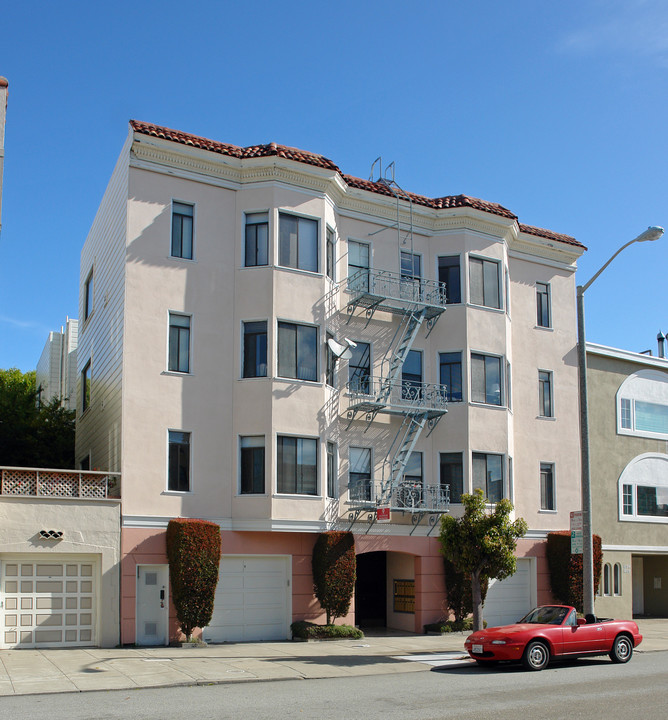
[[152, 604]]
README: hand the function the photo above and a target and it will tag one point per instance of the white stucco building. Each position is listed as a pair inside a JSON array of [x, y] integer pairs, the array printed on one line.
[[219, 284]]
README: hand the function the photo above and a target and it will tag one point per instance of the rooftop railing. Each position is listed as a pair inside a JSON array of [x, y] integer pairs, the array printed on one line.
[[42, 482]]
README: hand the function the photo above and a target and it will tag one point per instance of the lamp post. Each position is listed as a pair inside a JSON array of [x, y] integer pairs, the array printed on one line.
[[652, 233]]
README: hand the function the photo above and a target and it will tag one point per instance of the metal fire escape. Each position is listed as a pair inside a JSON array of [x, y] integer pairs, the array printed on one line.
[[417, 303]]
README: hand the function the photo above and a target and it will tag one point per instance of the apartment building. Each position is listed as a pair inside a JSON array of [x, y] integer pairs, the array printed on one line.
[[628, 409], [281, 348], [56, 373]]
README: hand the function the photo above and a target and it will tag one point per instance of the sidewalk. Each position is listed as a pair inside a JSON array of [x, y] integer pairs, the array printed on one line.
[[25, 672]]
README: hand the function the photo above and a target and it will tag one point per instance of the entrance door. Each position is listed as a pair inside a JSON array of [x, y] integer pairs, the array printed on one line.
[[152, 604], [371, 590], [638, 602]]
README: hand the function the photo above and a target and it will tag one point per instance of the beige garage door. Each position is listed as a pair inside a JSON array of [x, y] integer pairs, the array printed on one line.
[[47, 602], [252, 600]]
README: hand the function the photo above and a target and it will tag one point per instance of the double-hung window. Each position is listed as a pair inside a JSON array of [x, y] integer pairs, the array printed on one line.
[[255, 349], [179, 343], [297, 351], [486, 379], [358, 265], [359, 368], [451, 375], [182, 230], [543, 305], [449, 275], [297, 465], [298, 242], [330, 256], [85, 387], [88, 296], [545, 408], [256, 250], [488, 475], [547, 494], [252, 465], [452, 475], [331, 470], [411, 377], [178, 475], [359, 473], [484, 282], [411, 266]]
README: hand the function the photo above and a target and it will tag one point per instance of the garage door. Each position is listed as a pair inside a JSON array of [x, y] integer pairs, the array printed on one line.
[[47, 602], [510, 599], [253, 600]]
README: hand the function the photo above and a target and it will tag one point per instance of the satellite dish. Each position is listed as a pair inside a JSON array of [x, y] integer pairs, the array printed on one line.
[[340, 350]]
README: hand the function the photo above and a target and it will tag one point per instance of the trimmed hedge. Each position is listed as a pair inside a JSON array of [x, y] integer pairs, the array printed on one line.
[[566, 569], [334, 568], [310, 631], [193, 551], [449, 626]]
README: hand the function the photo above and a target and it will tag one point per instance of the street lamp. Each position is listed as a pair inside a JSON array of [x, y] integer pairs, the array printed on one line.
[[652, 233]]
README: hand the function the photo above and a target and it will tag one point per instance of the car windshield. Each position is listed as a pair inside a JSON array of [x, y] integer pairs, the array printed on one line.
[[548, 615]]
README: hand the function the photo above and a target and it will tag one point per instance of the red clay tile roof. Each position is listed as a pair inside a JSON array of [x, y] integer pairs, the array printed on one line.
[[308, 158]]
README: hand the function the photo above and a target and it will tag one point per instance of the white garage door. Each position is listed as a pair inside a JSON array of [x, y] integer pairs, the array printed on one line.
[[252, 600], [510, 599], [47, 602]]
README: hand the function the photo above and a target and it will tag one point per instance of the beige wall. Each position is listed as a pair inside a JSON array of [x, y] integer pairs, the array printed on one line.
[[91, 530]]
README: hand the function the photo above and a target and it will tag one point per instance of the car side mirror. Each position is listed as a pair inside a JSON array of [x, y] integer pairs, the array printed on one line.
[[581, 621]]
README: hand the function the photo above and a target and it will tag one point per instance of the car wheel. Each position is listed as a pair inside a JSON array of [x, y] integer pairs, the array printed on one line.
[[486, 663], [622, 649], [536, 655]]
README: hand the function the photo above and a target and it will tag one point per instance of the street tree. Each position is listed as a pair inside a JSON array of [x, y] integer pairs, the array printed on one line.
[[482, 543], [33, 434]]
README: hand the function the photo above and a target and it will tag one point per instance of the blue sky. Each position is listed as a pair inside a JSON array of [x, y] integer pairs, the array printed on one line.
[[558, 111]]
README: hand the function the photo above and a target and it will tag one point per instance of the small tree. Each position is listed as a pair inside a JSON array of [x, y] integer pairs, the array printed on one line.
[[193, 551], [458, 587], [334, 572], [482, 543]]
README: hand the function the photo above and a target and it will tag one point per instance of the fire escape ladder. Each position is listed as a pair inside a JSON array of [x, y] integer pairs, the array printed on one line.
[[411, 327], [411, 426]]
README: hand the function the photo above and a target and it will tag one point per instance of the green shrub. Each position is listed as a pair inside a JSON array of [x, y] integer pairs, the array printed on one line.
[[566, 569], [450, 626], [193, 552], [310, 631], [334, 571]]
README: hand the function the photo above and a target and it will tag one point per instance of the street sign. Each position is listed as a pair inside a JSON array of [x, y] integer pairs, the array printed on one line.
[[576, 533], [383, 514]]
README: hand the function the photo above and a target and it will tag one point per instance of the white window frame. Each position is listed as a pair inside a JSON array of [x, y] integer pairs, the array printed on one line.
[[318, 462], [171, 231], [189, 491], [499, 280], [176, 313], [645, 386], [318, 250], [358, 268], [548, 300], [502, 380], [257, 444], [280, 321], [553, 479], [646, 470], [504, 477], [248, 214], [550, 375]]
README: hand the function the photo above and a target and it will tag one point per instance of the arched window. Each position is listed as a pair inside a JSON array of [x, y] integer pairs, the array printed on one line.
[[643, 489], [642, 405], [606, 579], [617, 579]]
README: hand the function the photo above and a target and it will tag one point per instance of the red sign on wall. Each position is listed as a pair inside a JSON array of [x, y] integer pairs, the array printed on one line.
[[383, 514]]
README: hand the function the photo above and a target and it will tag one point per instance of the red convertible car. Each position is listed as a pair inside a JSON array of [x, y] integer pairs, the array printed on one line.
[[554, 631]]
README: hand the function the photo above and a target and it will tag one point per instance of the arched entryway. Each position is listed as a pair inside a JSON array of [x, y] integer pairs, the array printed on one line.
[[371, 590]]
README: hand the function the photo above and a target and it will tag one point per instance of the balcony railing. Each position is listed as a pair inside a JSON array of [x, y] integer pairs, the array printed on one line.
[[406, 496], [368, 393], [38, 482], [394, 292]]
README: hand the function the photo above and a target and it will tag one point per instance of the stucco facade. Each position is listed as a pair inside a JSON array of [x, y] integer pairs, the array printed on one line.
[[627, 394], [266, 243]]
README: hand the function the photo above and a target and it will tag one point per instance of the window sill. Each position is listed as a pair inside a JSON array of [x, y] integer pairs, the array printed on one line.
[[177, 492], [312, 273], [174, 373], [489, 406], [314, 383], [296, 496], [192, 261], [499, 311], [549, 418], [544, 328], [547, 512]]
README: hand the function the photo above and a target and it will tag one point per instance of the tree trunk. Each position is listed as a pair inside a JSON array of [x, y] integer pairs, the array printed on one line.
[[476, 593]]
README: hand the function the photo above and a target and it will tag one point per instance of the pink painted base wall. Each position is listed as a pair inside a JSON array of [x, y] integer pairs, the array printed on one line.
[[147, 546]]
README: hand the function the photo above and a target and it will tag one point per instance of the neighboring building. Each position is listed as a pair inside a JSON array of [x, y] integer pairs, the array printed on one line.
[[59, 555], [57, 367], [628, 419], [272, 345], [4, 85]]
